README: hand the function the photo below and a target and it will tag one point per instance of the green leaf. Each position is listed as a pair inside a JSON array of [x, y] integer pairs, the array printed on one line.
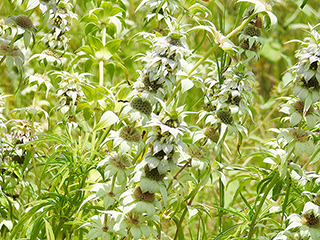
[[106, 120], [113, 45], [95, 42], [49, 231]]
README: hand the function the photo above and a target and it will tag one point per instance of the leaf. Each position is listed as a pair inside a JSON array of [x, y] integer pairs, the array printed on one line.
[[49, 230], [186, 84], [113, 45], [106, 120], [32, 4]]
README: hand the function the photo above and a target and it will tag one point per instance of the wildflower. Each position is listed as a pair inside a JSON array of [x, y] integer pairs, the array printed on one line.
[[141, 202], [104, 225], [60, 23], [161, 65], [296, 109], [308, 57], [308, 222], [41, 79], [23, 23], [168, 128], [142, 105], [297, 140], [126, 139], [162, 161], [136, 224], [11, 53], [225, 116], [48, 56], [250, 38], [70, 91], [117, 165], [107, 192]]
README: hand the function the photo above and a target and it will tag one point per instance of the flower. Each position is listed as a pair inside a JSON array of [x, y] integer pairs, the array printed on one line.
[[11, 53], [297, 140], [105, 225], [60, 23], [136, 224], [250, 39], [168, 128], [70, 91], [296, 109], [308, 57], [308, 222], [117, 165], [41, 79], [108, 192], [161, 65], [141, 202], [127, 139]]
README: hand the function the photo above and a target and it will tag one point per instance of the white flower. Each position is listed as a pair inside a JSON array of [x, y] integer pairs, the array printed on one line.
[[308, 222], [116, 165], [108, 192], [41, 79], [297, 140]]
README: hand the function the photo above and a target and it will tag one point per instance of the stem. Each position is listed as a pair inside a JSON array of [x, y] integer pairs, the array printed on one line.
[[2, 59], [232, 33], [221, 192], [182, 217], [284, 205], [33, 159], [175, 176], [254, 219], [101, 62]]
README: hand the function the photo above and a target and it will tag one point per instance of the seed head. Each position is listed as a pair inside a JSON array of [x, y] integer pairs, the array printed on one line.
[[225, 116], [120, 160], [145, 197], [212, 134], [51, 53], [310, 220], [24, 22], [312, 84], [130, 134], [299, 106], [316, 200], [153, 173], [142, 105], [252, 30]]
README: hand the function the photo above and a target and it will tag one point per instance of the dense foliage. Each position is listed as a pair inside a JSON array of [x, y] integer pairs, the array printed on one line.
[[159, 119]]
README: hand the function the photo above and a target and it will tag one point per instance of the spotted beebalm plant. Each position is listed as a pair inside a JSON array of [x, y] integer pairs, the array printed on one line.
[[159, 119]]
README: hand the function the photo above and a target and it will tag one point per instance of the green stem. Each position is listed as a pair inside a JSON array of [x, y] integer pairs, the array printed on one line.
[[101, 62], [2, 59], [221, 187], [182, 218], [285, 202], [232, 33], [256, 214]]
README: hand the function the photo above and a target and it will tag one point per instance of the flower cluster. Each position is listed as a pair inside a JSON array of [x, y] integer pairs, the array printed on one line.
[[70, 91], [308, 224], [226, 103], [60, 23], [302, 108], [21, 133], [161, 65], [307, 80], [250, 38]]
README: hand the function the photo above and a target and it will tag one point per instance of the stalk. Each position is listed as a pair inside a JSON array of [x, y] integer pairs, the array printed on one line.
[[215, 47], [256, 214], [101, 62]]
